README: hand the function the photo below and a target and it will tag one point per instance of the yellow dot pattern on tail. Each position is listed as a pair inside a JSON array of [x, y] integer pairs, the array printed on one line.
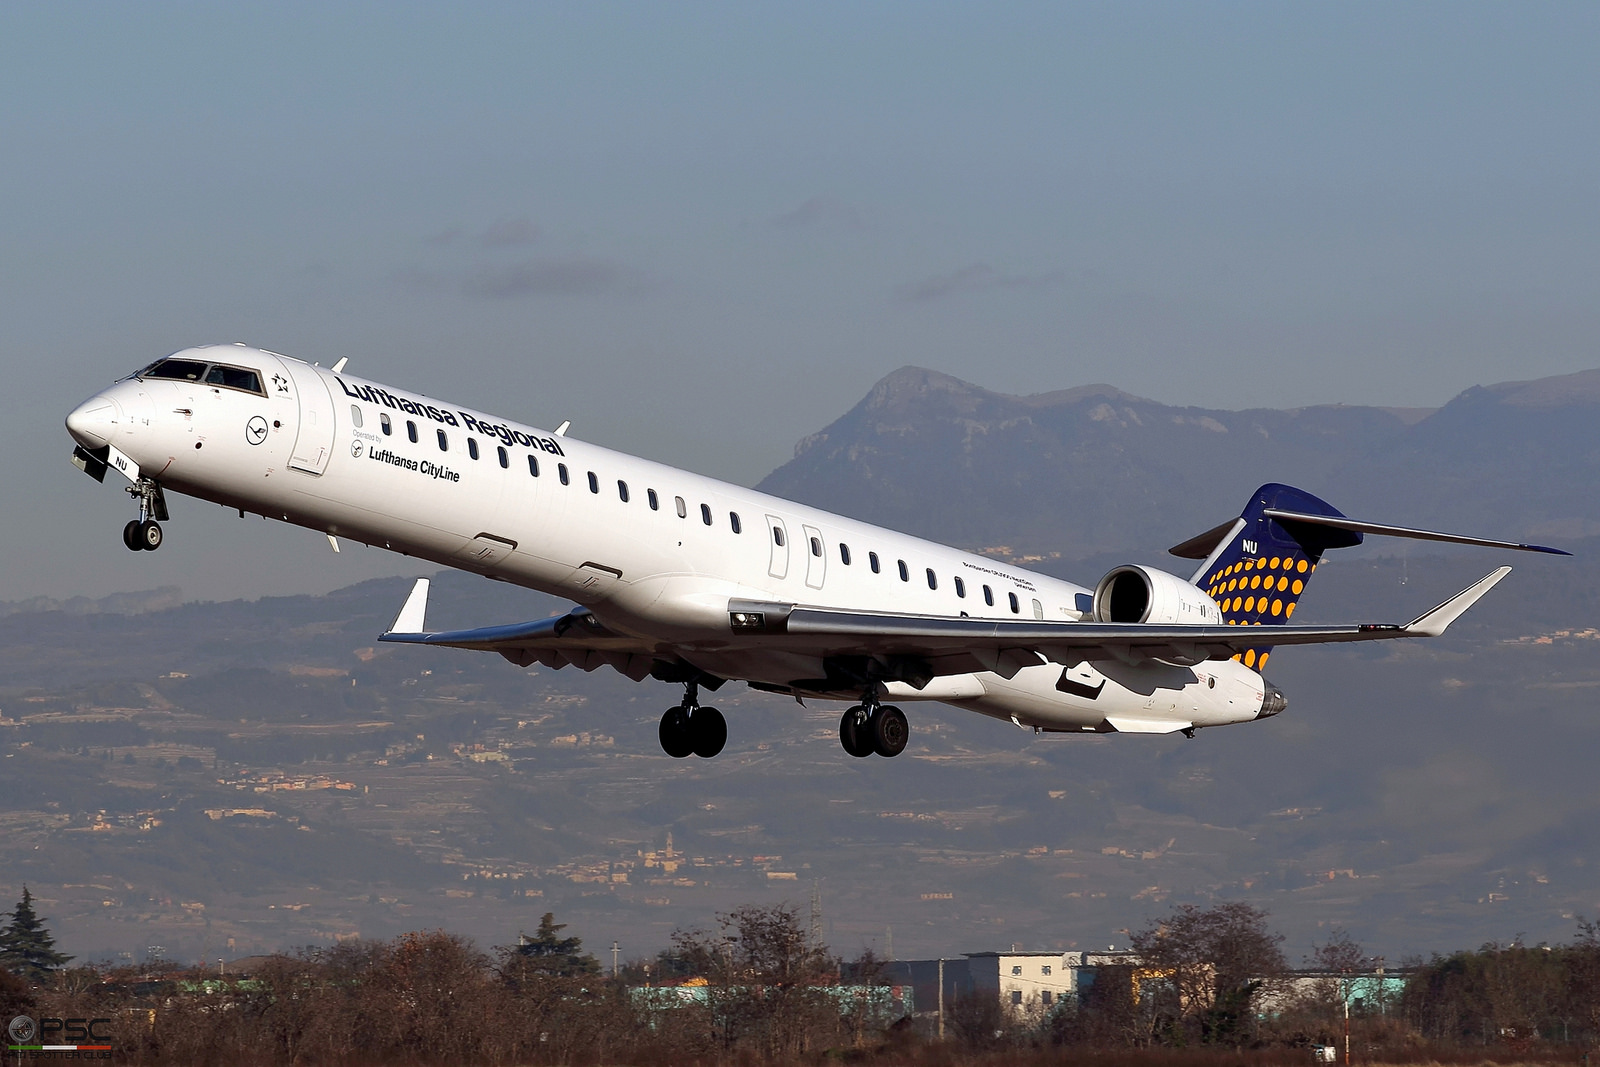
[[1258, 576]]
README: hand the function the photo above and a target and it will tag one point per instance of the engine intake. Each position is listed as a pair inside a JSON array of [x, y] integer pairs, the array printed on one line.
[[1144, 594]]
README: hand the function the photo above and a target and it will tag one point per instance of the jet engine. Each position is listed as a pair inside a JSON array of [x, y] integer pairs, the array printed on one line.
[[1144, 594]]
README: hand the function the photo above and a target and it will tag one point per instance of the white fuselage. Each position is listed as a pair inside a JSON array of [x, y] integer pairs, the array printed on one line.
[[651, 550]]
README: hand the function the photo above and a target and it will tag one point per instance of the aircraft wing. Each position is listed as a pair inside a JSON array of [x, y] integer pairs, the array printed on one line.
[[956, 645], [576, 638], [941, 644]]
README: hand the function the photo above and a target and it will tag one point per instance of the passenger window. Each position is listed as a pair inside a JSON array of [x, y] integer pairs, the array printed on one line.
[[561, 469], [844, 553], [683, 509], [355, 415], [872, 561], [472, 447], [505, 459], [905, 572], [733, 521], [622, 490], [594, 483], [383, 421], [777, 536], [533, 466], [933, 581], [1016, 608], [655, 501], [961, 588], [816, 546], [411, 431], [1038, 610], [988, 596], [444, 442], [705, 514]]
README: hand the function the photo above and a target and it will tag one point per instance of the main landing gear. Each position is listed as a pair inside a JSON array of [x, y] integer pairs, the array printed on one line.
[[872, 727], [144, 533], [690, 729]]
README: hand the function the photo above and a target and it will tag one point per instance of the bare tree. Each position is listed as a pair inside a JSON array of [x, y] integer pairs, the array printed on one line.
[[1215, 960], [764, 972]]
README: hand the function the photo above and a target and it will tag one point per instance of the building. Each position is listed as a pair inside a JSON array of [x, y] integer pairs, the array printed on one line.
[[1025, 983]]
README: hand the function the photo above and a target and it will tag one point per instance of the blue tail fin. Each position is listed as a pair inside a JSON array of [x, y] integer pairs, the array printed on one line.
[[1256, 567]]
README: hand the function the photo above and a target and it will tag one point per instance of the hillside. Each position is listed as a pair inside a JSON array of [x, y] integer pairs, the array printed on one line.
[[237, 777]]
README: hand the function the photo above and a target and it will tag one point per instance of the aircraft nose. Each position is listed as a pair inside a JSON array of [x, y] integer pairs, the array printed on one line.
[[93, 422]]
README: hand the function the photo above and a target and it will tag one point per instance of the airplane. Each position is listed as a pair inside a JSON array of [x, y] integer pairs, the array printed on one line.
[[697, 582]]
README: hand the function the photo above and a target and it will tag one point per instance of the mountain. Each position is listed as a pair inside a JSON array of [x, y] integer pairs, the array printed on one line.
[[229, 778], [1092, 470]]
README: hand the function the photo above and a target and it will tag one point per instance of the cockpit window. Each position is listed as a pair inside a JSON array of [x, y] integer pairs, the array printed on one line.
[[218, 374], [234, 378], [183, 370]]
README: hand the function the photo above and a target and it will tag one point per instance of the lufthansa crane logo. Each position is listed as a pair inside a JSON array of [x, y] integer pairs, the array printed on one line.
[[255, 431]]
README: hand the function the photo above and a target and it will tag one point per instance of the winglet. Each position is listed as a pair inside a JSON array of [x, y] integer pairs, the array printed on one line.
[[1435, 622], [411, 617]]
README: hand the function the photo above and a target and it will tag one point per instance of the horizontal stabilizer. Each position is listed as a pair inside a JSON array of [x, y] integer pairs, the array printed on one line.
[[1202, 545], [1339, 522]]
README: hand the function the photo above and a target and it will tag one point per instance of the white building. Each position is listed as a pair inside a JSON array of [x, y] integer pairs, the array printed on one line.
[[1026, 983]]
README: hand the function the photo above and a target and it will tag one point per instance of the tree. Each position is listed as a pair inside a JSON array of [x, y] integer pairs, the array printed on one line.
[[26, 947], [764, 969], [1215, 960], [1583, 969], [547, 955]]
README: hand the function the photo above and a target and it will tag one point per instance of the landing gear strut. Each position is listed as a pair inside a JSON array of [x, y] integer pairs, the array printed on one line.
[[872, 727], [687, 728], [145, 532]]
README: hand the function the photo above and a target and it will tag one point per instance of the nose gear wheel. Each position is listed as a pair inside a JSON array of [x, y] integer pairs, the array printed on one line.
[[144, 533]]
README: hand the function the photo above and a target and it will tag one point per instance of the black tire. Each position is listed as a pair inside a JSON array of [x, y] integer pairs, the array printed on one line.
[[130, 535], [150, 535], [674, 733], [889, 730], [708, 732], [853, 733]]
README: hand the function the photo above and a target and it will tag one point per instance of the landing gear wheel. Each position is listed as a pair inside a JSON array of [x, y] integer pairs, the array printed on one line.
[[708, 732], [853, 732], [150, 535], [888, 730], [130, 535], [675, 737]]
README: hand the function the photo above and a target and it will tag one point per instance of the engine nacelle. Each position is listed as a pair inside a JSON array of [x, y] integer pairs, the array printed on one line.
[[1144, 594]]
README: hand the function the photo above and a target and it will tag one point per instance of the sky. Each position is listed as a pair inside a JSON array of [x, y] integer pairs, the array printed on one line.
[[701, 232]]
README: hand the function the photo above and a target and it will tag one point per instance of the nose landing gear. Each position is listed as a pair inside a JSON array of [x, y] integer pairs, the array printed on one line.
[[872, 727], [688, 729], [144, 533]]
